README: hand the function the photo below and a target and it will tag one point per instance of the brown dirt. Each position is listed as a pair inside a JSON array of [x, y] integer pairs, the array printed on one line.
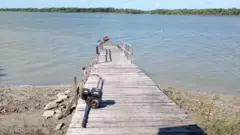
[[21, 110], [215, 113], [227, 104]]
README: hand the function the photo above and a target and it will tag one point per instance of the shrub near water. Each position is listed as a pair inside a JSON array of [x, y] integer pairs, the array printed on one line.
[[209, 114]]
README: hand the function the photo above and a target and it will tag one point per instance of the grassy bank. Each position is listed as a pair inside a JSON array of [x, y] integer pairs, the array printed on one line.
[[216, 114]]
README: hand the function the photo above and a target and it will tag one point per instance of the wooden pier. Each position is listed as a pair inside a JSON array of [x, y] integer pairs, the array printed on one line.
[[132, 103]]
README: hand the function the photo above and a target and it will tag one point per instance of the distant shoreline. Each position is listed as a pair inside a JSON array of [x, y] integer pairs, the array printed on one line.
[[192, 12]]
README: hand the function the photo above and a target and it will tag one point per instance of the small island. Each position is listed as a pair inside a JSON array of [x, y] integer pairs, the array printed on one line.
[[212, 11]]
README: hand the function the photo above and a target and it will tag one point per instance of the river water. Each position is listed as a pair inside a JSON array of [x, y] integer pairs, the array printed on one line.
[[186, 52]]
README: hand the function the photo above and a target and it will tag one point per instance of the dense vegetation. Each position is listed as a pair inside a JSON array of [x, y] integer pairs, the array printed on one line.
[[215, 11], [78, 10]]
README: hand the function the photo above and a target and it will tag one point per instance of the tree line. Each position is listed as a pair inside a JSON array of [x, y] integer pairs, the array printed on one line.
[[214, 11], [77, 10]]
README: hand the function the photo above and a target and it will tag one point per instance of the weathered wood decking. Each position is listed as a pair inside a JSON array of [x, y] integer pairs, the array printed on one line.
[[134, 104]]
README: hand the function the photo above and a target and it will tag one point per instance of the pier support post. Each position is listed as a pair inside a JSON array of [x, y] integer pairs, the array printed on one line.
[[106, 59], [97, 53], [110, 55], [75, 90], [132, 59], [97, 50]]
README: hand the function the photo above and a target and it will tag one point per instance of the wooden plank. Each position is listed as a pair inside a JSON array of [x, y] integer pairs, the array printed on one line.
[[121, 76], [121, 115], [157, 96], [115, 111], [147, 91], [167, 117], [136, 116], [132, 92], [137, 108], [158, 124], [146, 83], [142, 104], [131, 87], [138, 91], [118, 86], [116, 68], [134, 119], [121, 72], [129, 100], [161, 118], [131, 107], [124, 79], [139, 98], [193, 133], [138, 130], [125, 113], [127, 94], [88, 85], [118, 80]]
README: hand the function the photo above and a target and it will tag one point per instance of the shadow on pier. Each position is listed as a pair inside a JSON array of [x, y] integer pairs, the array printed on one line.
[[106, 103], [181, 130]]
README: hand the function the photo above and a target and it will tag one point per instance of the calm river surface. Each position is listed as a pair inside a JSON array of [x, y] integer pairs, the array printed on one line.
[[188, 52]]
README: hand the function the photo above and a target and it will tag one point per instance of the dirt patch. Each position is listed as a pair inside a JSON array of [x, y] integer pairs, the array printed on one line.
[[216, 114], [22, 107]]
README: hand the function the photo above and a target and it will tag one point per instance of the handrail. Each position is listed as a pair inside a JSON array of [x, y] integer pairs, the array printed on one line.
[[127, 49], [100, 45], [126, 43], [99, 79]]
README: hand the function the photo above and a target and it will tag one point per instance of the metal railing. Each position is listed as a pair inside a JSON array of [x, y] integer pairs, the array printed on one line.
[[127, 49], [100, 45]]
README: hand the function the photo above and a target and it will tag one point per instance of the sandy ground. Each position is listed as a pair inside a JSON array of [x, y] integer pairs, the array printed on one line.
[[21, 110]]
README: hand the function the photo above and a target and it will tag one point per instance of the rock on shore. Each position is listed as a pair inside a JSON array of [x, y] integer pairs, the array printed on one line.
[[23, 107]]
